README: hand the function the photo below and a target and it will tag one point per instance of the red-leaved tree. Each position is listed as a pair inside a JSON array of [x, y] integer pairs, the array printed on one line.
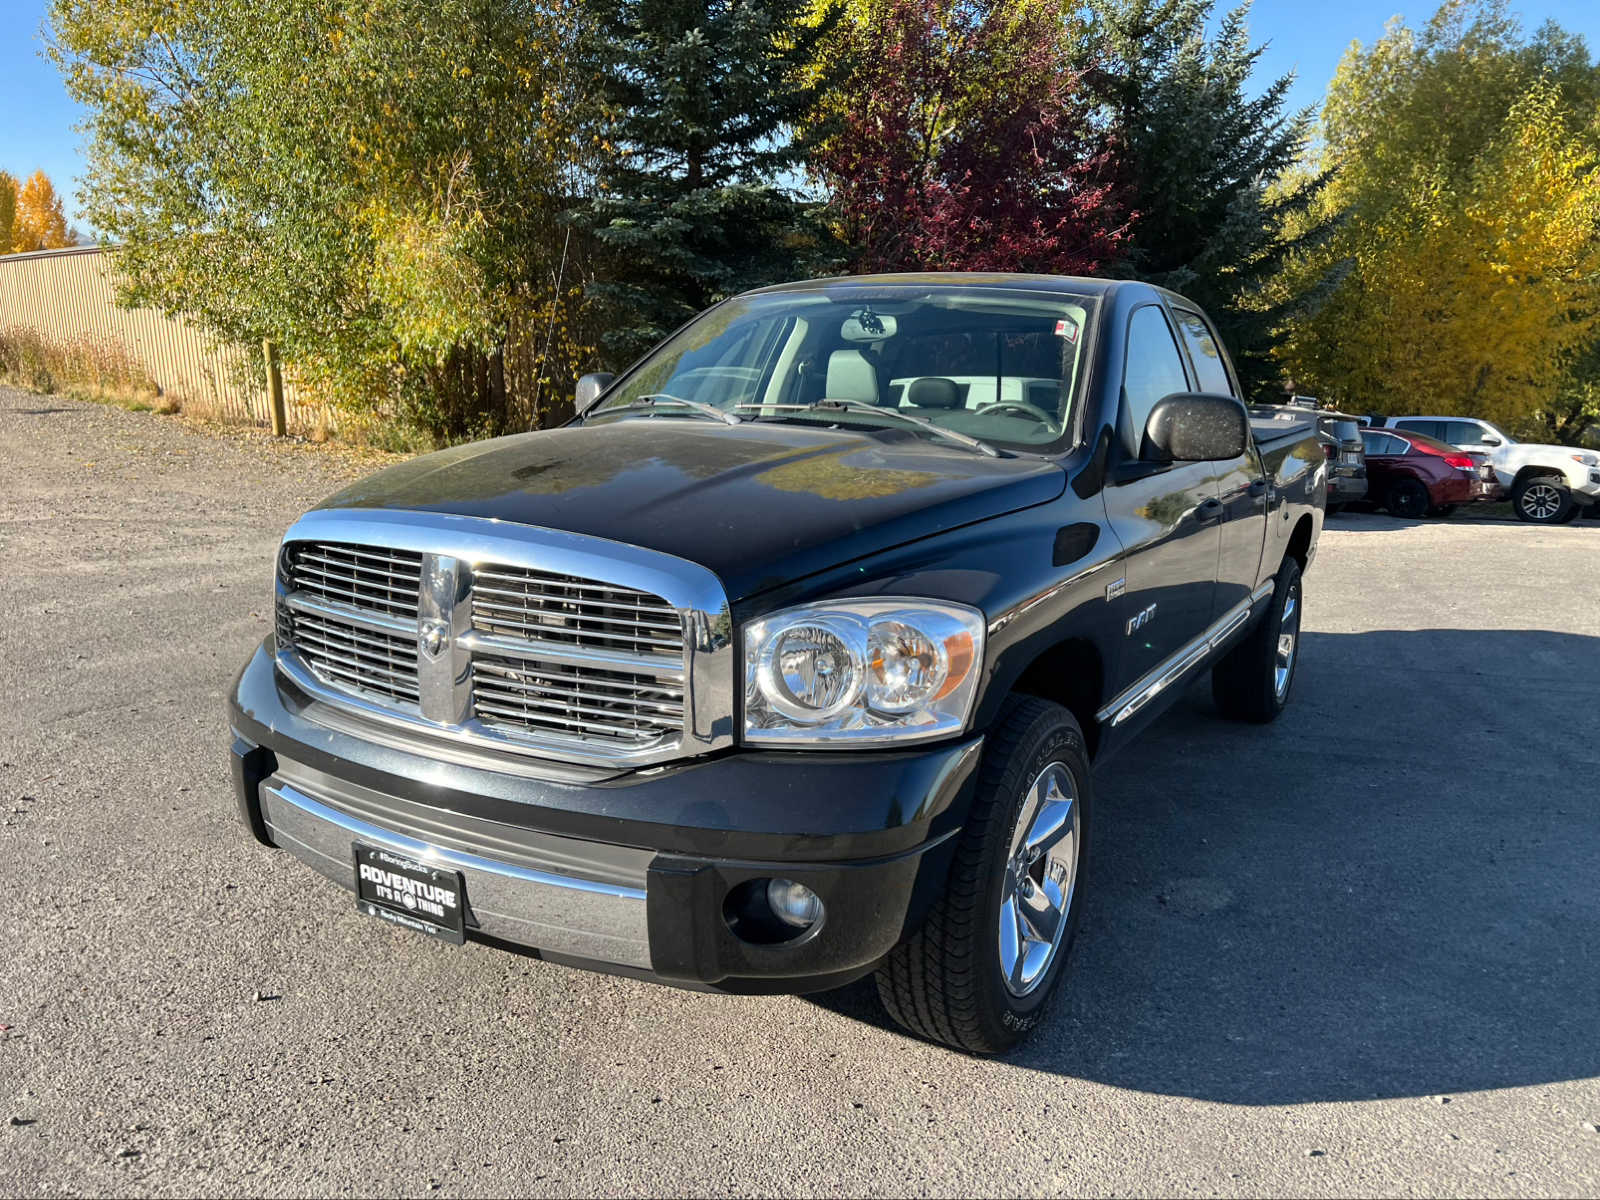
[[964, 140]]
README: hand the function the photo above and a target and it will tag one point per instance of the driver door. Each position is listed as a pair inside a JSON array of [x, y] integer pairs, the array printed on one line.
[[1168, 517]]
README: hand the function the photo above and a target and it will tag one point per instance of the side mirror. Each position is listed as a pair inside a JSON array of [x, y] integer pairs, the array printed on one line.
[[1489, 439], [1194, 427], [590, 389]]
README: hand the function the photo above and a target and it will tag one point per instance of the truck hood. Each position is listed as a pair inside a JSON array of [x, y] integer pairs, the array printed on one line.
[[759, 504]]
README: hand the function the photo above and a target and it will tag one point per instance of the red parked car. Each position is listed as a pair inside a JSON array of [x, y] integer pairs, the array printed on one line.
[[1413, 475]]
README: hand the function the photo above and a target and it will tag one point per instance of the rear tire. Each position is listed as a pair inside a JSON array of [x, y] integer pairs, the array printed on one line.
[[1252, 682], [958, 979], [1542, 500], [1407, 498], [1333, 510]]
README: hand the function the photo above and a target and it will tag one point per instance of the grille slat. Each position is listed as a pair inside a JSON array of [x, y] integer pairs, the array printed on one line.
[[573, 701], [521, 575], [672, 626], [387, 581]]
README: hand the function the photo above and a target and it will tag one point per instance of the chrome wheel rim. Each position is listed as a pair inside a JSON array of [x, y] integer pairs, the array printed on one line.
[[1541, 501], [1288, 637], [1041, 874]]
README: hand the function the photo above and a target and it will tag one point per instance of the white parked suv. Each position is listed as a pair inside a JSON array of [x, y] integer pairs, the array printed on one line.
[[1548, 485]]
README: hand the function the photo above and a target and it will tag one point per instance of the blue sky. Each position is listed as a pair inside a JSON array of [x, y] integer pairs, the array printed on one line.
[[37, 118]]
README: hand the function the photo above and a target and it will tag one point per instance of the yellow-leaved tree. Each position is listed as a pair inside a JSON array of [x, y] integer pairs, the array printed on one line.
[[39, 222], [1469, 256], [8, 211]]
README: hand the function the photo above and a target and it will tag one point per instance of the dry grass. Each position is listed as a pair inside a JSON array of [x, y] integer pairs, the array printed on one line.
[[87, 368]]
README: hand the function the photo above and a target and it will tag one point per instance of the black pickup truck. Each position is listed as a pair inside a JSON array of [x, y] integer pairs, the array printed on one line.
[[788, 659]]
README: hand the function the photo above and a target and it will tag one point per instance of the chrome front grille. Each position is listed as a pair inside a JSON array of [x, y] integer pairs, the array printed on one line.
[[595, 662], [549, 613], [518, 602], [607, 706], [345, 582], [366, 577], [349, 656]]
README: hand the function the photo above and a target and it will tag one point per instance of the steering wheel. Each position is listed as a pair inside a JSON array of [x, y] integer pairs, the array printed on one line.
[[1022, 407]]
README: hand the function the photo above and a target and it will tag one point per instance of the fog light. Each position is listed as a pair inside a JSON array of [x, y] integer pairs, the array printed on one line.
[[793, 903]]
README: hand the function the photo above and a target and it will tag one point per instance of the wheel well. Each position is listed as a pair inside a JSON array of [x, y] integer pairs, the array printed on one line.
[[1528, 473], [1300, 541], [1072, 675]]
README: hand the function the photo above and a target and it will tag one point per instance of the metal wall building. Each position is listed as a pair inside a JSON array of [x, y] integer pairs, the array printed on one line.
[[67, 297]]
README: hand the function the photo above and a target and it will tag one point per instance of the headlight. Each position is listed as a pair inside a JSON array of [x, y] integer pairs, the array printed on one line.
[[1588, 460], [862, 672]]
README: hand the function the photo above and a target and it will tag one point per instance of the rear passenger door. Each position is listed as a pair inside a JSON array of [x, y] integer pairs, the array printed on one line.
[[1167, 517], [1383, 452], [1241, 483]]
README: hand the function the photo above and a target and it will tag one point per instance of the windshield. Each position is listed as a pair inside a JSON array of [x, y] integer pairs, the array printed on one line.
[[993, 364]]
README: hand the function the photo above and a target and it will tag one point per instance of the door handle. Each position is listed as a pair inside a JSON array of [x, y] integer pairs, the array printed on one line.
[[1209, 512], [1258, 487]]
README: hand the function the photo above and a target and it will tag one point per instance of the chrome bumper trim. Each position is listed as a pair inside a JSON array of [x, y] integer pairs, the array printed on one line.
[[605, 922]]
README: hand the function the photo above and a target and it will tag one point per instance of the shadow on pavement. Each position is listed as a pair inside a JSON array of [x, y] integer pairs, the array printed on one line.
[[1389, 892], [1374, 521]]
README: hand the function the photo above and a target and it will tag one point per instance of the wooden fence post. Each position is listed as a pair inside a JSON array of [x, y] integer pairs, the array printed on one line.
[[280, 418]]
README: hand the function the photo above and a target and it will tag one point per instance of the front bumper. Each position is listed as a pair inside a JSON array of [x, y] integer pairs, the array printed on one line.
[[627, 872]]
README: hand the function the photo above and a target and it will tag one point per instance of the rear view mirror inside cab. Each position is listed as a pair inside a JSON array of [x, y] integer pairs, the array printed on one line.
[[868, 326]]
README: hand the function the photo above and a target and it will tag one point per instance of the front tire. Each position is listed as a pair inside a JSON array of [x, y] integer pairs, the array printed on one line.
[[1542, 500], [1252, 681], [980, 972]]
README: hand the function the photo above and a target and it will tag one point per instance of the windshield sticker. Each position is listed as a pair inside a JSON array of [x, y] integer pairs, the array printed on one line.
[[1068, 330]]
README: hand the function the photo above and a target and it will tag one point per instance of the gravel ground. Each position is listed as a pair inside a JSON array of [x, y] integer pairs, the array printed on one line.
[[1355, 952]]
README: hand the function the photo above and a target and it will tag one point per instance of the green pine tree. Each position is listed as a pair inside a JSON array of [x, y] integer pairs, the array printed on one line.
[[1200, 157], [703, 97]]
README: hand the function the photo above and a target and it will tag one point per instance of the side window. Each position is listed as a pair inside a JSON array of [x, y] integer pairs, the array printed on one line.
[[1382, 443], [1203, 351], [1463, 433], [1433, 429], [1153, 369]]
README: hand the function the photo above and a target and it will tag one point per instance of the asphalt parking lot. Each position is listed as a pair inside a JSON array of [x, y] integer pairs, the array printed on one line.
[[1357, 951]]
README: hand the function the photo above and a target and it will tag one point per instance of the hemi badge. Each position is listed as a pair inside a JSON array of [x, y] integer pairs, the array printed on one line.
[[1116, 587]]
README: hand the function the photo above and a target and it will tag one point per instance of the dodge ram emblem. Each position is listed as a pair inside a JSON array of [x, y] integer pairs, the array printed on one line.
[[434, 638]]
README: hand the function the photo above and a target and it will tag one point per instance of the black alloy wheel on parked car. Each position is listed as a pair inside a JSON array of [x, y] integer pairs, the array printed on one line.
[[1407, 498]]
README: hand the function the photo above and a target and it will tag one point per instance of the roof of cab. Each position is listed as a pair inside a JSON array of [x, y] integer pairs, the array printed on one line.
[[1077, 284]]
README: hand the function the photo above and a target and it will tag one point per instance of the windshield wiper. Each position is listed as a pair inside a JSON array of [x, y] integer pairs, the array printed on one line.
[[864, 406], [650, 402]]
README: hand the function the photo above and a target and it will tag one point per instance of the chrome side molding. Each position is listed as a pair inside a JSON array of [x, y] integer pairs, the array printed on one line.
[[1171, 669]]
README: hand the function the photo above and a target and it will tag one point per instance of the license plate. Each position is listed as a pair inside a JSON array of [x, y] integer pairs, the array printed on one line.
[[406, 892]]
